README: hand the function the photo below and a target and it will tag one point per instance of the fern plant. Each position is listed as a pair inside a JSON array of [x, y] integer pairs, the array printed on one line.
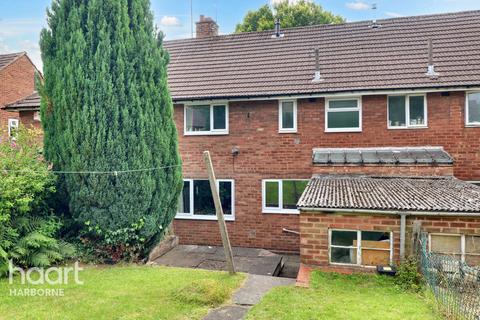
[[28, 228]]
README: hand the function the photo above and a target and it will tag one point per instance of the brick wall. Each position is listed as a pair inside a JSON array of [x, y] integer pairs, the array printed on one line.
[[267, 154], [314, 228], [17, 81]]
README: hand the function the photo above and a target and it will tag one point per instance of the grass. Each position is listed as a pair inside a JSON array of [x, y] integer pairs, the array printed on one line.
[[127, 292], [333, 296]]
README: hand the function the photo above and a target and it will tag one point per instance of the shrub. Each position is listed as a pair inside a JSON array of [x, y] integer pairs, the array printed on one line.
[[408, 277], [27, 226]]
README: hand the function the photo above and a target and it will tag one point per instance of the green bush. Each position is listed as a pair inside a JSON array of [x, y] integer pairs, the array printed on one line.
[[27, 226], [408, 277]]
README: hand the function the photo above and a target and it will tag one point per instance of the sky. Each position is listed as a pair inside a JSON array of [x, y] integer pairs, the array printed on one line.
[[22, 20]]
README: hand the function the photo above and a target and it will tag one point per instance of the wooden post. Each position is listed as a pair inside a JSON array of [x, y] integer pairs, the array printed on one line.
[[219, 212]]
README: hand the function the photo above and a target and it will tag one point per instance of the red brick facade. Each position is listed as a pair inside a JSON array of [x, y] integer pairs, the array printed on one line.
[[17, 81], [314, 228], [265, 154]]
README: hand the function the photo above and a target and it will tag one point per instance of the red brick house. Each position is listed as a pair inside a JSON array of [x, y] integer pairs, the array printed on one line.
[[278, 108], [17, 82]]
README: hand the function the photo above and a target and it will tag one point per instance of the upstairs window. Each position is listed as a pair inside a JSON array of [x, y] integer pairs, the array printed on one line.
[[407, 111], [196, 200], [12, 127], [473, 109], [206, 119], [287, 113], [281, 196], [343, 115]]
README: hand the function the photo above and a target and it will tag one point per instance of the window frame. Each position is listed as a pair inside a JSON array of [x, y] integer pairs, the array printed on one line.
[[280, 117], [212, 131], [358, 108], [407, 111], [467, 108], [37, 116], [463, 248], [191, 216], [358, 247], [279, 209], [10, 126]]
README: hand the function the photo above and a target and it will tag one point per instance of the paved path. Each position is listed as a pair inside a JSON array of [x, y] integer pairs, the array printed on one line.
[[248, 295]]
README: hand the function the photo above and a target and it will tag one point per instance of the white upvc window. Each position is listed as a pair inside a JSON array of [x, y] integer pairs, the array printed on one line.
[[196, 200], [361, 248], [36, 116], [281, 196], [343, 115], [407, 111], [472, 109], [465, 248], [13, 125], [287, 116], [206, 119]]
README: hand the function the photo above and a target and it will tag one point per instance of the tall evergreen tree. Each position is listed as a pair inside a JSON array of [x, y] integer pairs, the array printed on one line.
[[106, 107]]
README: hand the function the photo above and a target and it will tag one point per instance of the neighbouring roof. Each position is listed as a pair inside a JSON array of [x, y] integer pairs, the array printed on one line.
[[391, 156], [31, 102], [353, 57], [440, 194], [6, 59]]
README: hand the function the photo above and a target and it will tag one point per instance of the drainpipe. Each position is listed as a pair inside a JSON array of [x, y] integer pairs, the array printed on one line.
[[403, 224]]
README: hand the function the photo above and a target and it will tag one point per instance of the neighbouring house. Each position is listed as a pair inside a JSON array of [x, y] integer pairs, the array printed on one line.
[[17, 82], [335, 141]]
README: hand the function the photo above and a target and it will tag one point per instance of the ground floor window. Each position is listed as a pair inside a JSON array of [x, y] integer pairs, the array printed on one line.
[[462, 247], [13, 127], [281, 196], [355, 247], [196, 200]]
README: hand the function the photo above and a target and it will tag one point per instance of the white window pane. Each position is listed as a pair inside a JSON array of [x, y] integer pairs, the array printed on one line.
[[287, 115], [219, 117], [292, 191], [272, 194], [396, 111], [375, 248], [344, 238], [343, 255], [474, 107], [203, 199], [342, 104], [197, 118], [184, 199], [344, 119], [417, 110], [472, 244], [446, 244]]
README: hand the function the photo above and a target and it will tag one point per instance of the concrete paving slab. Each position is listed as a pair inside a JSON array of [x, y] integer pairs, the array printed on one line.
[[256, 287], [228, 313]]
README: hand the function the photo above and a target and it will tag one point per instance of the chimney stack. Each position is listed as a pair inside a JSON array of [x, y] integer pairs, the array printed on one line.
[[206, 27]]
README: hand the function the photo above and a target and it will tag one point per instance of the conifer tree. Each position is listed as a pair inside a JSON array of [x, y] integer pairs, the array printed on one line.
[[106, 107]]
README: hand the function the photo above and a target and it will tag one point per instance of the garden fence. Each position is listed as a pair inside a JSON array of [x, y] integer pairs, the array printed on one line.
[[455, 284]]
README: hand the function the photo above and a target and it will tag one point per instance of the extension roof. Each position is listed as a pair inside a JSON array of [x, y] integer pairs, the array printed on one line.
[[353, 57], [31, 102], [409, 194]]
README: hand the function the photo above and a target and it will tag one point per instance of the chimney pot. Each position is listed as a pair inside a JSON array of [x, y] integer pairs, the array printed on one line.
[[206, 27]]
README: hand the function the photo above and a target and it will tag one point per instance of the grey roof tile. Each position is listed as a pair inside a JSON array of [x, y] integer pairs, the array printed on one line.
[[353, 57], [31, 102], [6, 59], [357, 192]]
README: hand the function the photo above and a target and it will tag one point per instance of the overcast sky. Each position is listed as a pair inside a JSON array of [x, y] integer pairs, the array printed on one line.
[[22, 20]]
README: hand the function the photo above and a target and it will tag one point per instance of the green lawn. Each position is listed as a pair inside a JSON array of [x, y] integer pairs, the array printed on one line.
[[334, 296], [129, 292]]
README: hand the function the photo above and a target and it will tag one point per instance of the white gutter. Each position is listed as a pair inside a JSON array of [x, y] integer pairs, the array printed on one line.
[[397, 213], [330, 95]]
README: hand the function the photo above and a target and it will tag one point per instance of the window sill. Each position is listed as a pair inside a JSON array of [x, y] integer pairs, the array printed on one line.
[[472, 125], [204, 218], [407, 128], [206, 133], [342, 130], [287, 131], [272, 211]]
